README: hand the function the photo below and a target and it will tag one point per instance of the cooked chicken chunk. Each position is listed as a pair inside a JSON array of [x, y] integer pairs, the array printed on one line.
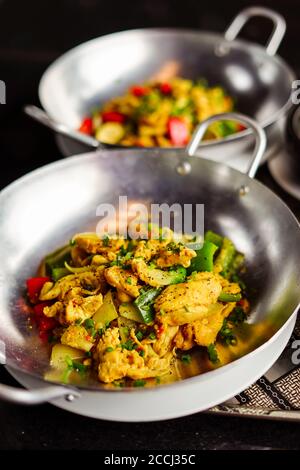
[[93, 244], [81, 308], [77, 337], [86, 283], [123, 279], [164, 343], [172, 256], [189, 301], [116, 363]]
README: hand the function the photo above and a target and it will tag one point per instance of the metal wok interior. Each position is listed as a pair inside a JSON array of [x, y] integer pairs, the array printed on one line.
[[45, 208]]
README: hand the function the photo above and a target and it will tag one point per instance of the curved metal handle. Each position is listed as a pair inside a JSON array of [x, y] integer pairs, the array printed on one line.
[[241, 19], [42, 117], [36, 396], [259, 134]]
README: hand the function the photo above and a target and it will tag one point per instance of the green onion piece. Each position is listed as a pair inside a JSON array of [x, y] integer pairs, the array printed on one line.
[[186, 358], [139, 383], [212, 353], [225, 297]]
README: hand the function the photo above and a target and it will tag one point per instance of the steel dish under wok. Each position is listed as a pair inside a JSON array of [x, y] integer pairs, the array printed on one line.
[[105, 67], [42, 210]]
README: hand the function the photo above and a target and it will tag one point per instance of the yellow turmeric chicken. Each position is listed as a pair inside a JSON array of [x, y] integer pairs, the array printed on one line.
[[131, 309]]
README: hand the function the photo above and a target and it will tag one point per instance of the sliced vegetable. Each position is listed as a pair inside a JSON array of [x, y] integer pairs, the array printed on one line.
[[86, 126], [214, 238], [138, 90], [60, 352], [58, 273], [165, 278], [131, 312], [39, 308], [178, 131], [225, 257], [165, 88], [74, 270], [226, 297], [46, 324], [113, 116], [34, 286], [57, 259], [204, 261], [144, 303], [106, 313], [110, 133]]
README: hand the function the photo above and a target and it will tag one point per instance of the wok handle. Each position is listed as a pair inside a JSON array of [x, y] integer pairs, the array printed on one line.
[[259, 135], [36, 396], [245, 15], [42, 117]]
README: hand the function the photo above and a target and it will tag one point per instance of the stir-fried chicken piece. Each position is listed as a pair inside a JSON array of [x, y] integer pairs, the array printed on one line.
[[123, 279], [175, 254], [189, 301], [79, 296], [204, 331], [93, 244], [164, 343], [88, 282], [77, 337], [116, 362]]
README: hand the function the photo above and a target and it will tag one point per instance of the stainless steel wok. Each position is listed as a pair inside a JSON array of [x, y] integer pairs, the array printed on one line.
[[46, 207], [104, 67]]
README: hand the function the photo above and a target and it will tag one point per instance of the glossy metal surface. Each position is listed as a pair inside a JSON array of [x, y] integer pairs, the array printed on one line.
[[45, 208], [102, 68]]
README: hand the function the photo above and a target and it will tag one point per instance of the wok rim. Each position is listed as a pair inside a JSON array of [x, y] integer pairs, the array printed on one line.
[[69, 161], [241, 43]]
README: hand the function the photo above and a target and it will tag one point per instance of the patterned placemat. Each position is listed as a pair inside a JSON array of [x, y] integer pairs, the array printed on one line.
[[277, 393]]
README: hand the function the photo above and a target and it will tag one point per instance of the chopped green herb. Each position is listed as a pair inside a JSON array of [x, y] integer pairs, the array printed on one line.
[[109, 349], [162, 312], [237, 316], [226, 334], [212, 353], [72, 242], [139, 383], [89, 323], [139, 335], [119, 384], [186, 358], [129, 345], [142, 353], [152, 335], [105, 240], [78, 321], [88, 354], [157, 380], [129, 280]]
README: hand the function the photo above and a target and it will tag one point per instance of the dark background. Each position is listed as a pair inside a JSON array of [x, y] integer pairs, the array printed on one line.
[[32, 35]]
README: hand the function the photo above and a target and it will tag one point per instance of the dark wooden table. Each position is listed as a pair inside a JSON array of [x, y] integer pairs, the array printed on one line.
[[29, 41]]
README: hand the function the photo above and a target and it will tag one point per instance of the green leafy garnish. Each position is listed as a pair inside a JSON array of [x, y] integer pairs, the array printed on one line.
[[105, 240], [212, 353], [129, 345], [237, 316], [109, 349], [226, 334], [139, 335], [139, 383], [186, 358]]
